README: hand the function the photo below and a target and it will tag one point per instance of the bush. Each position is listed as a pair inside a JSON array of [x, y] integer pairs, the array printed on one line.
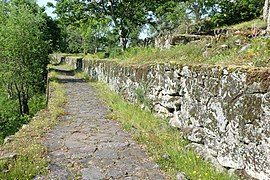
[[115, 52], [36, 103], [10, 119], [233, 12]]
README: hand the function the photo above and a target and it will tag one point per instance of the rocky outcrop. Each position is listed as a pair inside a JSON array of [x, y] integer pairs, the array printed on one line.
[[171, 40], [224, 112]]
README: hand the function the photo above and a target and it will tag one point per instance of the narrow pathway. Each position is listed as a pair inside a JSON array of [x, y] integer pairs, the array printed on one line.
[[88, 145]]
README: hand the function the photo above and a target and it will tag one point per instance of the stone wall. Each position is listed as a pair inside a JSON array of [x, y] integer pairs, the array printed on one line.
[[224, 112]]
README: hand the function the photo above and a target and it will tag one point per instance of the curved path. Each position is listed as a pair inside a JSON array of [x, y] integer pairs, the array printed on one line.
[[88, 145]]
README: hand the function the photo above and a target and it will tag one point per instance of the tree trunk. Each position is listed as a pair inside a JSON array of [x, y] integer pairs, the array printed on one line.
[[10, 90], [265, 10], [25, 106], [19, 99], [268, 20], [197, 12], [84, 46], [23, 99], [124, 41]]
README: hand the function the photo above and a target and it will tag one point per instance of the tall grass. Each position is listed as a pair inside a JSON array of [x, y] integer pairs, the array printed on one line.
[[189, 53], [221, 53], [256, 23]]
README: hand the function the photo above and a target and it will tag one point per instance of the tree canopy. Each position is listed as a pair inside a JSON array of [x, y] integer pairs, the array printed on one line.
[[94, 25], [24, 51]]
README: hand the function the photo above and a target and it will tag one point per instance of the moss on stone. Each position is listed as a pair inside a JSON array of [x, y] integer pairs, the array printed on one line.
[[262, 77]]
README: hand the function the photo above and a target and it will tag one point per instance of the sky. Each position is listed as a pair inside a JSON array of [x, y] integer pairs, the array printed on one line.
[[48, 10]]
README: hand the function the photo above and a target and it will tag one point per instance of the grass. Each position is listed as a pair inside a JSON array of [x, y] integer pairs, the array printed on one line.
[[82, 75], [62, 66], [189, 53], [198, 53], [258, 23], [256, 55], [26, 143], [162, 141]]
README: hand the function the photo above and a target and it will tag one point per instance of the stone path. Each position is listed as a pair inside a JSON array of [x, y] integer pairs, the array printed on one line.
[[87, 145]]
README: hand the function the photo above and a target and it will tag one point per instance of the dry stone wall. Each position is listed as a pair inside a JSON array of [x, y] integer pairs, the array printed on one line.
[[224, 112]]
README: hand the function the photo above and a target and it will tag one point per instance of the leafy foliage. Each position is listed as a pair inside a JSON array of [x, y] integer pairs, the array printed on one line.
[[108, 25], [232, 12], [24, 48], [111, 23], [170, 16], [24, 54]]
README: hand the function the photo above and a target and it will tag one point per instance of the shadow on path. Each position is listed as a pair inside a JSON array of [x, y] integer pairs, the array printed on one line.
[[66, 76], [63, 71], [67, 80]]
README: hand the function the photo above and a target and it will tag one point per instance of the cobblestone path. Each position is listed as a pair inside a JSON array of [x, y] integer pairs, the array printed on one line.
[[87, 145]]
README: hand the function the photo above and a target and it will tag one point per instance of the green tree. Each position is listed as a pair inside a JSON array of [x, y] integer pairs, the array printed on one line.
[[170, 16], [52, 32], [24, 53], [94, 33], [199, 9], [232, 12], [74, 39], [124, 18], [127, 17]]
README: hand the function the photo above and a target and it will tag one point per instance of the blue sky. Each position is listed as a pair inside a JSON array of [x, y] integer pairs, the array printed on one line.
[[48, 10]]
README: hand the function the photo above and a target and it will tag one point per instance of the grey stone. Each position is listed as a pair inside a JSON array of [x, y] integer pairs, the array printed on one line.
[[238, 42], [181, 176], [8, 156], [150, 165], [244, 48], [93, 173], [156, 176], [106, 154], [224, 46], [58, 171], [8, 139], [88, 145], [166, 157], [71, 144], [114, 173], [208, 45]]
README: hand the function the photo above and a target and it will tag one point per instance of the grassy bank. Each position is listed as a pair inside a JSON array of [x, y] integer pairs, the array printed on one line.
[[239, 47], [29, 159], [162, 141], [252, 52]]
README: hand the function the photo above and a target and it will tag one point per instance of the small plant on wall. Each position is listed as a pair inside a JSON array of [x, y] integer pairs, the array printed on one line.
[[142, 99]]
